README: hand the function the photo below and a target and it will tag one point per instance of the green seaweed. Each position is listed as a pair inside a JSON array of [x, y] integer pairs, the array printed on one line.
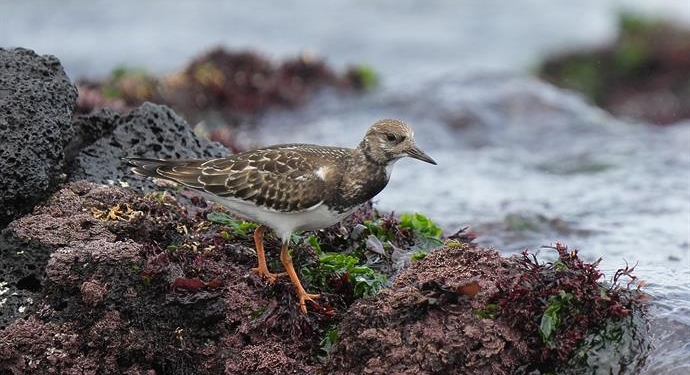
[[365, 75], [239, 228], [131, 82], [553, 316], [421, 225], [488, 312], [418, 255], [364, 280], [327, 343], [633, 23]]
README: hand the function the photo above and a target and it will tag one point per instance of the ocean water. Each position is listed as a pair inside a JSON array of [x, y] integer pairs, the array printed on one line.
[[523, 163]]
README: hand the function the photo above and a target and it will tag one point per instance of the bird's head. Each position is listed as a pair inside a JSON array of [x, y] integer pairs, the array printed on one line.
[[389, 140]]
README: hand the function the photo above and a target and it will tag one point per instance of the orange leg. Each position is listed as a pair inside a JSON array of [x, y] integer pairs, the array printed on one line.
[[262, 269], [301, 293]]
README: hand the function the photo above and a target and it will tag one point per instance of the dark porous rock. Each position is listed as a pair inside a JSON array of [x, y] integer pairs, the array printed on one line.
[[22, 275], [26, 245], [36, 104], [422, 325], [151, 130]]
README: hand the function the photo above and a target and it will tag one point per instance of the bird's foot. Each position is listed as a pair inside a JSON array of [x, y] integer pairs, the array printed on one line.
[[303, 297], [268, 275]]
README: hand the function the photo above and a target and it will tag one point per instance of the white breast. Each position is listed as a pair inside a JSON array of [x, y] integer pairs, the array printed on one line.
[[389, 168]]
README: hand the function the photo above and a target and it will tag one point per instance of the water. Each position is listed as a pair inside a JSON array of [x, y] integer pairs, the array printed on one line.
[[523, 163]]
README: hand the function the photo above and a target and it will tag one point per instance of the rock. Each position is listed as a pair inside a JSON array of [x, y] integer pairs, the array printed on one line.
[[22, 270], [28, 243], [63, 220], [102, 299], [92, 293], [98, 259], [411, 329], [155, 131], [147, 284], [51, 231], [464, 309], [37, 100], [268, 359]]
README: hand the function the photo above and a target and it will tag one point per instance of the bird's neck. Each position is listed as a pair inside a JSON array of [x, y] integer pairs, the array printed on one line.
[[362, 180], [364, 151]]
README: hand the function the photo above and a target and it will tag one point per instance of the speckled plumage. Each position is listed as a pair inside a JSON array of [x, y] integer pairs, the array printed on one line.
[[294, 187], [289, 178], [282, 178]]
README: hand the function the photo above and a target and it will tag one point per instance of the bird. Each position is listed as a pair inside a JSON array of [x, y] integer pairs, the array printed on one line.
[[291, 188]]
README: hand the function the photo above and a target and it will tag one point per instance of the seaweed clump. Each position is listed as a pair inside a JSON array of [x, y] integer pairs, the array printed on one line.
[[231, 85], [426, 322], [558, 305], [463, 309]]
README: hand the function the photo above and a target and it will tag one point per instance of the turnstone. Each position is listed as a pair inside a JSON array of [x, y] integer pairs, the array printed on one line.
[[294, 187]]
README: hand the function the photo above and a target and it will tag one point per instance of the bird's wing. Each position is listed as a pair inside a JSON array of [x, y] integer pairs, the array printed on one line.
[[283, 181]]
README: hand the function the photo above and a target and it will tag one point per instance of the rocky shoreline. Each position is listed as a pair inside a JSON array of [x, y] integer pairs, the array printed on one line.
[[100, 278], [644, 74]]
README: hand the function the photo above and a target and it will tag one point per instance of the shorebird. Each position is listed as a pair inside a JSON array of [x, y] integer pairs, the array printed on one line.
[[294, 187]]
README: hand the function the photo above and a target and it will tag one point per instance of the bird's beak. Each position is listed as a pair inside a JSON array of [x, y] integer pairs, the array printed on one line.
[[415, 152]]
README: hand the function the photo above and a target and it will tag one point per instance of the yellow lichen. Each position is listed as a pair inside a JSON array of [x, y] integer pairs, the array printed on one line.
[[116, 213]]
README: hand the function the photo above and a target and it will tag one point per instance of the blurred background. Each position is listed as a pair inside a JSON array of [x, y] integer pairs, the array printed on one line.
[[550, 120], [401, 39]]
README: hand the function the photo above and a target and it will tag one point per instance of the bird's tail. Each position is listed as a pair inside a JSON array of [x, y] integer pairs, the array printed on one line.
[[147, 167], [182, 171]]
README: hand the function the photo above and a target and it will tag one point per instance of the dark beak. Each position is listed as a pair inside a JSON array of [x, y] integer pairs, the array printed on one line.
[[415, 152]]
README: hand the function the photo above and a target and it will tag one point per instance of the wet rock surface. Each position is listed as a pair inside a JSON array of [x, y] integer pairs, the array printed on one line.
[[22, 270], [151, 130], [36, 101], [42, 147]]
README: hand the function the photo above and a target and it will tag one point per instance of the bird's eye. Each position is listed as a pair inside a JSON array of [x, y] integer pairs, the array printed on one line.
[[391, 137]]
